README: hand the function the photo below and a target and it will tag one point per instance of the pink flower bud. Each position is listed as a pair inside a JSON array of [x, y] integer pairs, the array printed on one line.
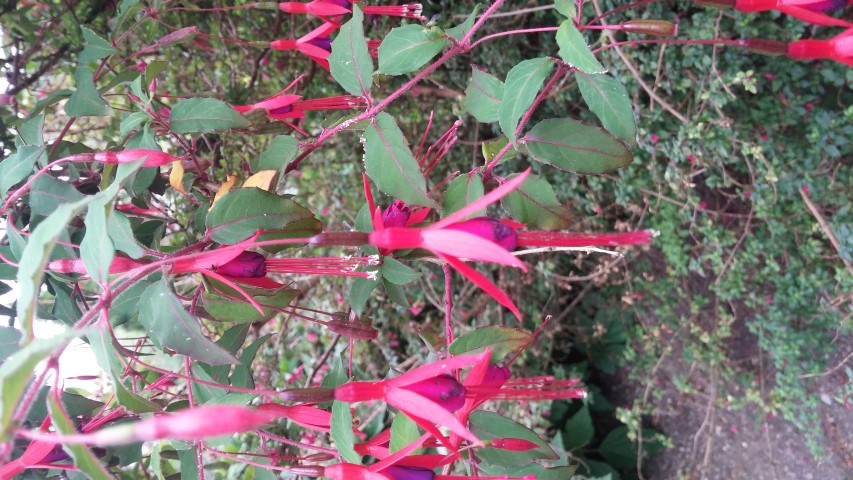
[[245, 265], [514, 444], [397, 472], [657, 28], [443, 389], [489, 229], [153, 158], [396, 215]]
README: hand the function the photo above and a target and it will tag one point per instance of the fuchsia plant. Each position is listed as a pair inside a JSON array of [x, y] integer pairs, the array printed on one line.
[[219, 257]]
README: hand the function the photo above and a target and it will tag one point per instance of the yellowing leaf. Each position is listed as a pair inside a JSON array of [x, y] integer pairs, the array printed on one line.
[[176, 177], [262, 180], [223, 189]]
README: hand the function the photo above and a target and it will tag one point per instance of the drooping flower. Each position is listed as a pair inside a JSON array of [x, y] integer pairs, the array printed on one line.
[[281, 106], [153, 158], [316, 44], [805, 10], [838, 48], [330, 8]]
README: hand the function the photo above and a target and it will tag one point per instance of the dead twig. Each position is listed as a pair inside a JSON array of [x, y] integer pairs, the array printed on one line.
[[821, 220]]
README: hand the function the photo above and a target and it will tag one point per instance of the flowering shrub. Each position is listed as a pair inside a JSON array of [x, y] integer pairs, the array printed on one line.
[[195, 245]]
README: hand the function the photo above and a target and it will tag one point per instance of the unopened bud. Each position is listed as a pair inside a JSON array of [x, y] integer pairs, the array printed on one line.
[[396, 215], [513, 444], [308, 470], [443, 389], [657, 28], [398, 472], [764, 46], [360, 328], [245, 265], [308, 395]]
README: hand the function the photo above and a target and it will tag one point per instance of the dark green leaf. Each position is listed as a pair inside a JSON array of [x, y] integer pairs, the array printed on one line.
[[47, 194], [535, 204], [281, 151], [574, 51], [125, 306], [621, 452], [408, 48], [483, 96], [86, 100], [75, 405], [520, 88], [51, 99], [360, 292], [105, 355], [121, 234], [502, 340], [195, 115], [404, 431], [608, 100], [398, 273], [84, 459], [31, 131], [578, 430], [396, 293], [350, 62], [575, 147], [170, 326], [19, 166], [96, 47], [489, 425], [131, 122], [10, 338], [342, 433], [17, 371], [228, 310], [463, 28], [240, 213], [65, 308], [242, 376], [390, 163], [96, 249], [461, 191]]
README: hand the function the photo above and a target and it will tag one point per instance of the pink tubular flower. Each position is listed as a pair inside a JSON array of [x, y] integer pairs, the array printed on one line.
[[450, 244], [329, 8], [282, 107], [153, 158], [806, 10], [316, 44], [348, 471], [838, 48]]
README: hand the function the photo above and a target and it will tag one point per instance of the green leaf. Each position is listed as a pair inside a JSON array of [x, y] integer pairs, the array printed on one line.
[[396, 293], [170, 326], [483, 96], [51, 99], [360, 292], [239, 311], [18, 166], [461, 191], [125, 306], [75, 405], [84, 459], [574, 51], [489, 425], [350, 62], [608, 100], [566, 8], [493, 148], [121, 233], [132, 121], [101, 341], [463, 28], [342, 433], [404, 431], [65, 308], [96, 47], [398, 273], [96, 249], [47, 194], [564, 472], [85, 101], [575, 147], [10, 338], [195, 115], [621, 452], [536, 204], [17, 370], [281, 151], [240, 213], [31, 131], [520, 88], [578, 430], [390, 163], [408, 48], [242, 376], [502, 340]]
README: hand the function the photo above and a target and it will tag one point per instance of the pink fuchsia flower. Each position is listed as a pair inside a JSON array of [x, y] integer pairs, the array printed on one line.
[[316, 44], [348, 471], [451, 244], [805, 10], [153, 158], [282, 107], [838, 48], [329, 8]]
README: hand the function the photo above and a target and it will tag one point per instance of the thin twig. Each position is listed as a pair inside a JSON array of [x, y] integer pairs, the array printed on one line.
[[821, 220]]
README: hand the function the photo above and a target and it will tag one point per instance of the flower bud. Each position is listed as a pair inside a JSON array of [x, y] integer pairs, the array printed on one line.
[[443, 389], [245, 265], [513, 444], [657, 28], [359, 328], [764, 46], [396, 215], [397, 472], [153, 158], [716, 3], [308, 395], [489, 229]]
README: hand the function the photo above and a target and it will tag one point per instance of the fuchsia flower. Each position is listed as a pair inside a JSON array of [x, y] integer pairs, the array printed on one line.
[[280, 107], [805, 10], [153, 158], [838, 48], [316, 44], [329, 8]]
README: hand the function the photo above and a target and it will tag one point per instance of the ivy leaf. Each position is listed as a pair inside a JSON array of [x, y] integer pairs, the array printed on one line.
[[342, 433], [170, 326], [350, 62], [520, 88], [96, 47], [85, 101], [408, 48], [574, 50], [390, 163], [535, 203], [483, 96], [575, 147], [608, 100], [196, 115]]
